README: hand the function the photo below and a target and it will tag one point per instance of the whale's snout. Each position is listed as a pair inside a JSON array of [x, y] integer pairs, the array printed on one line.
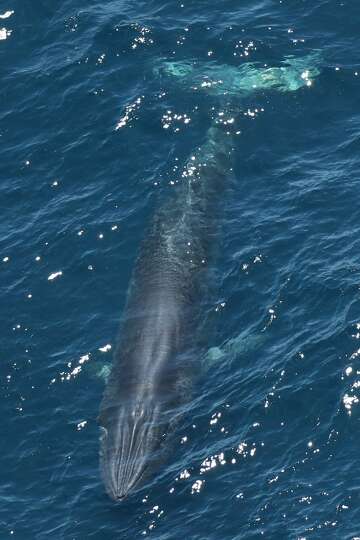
[[129, 439]]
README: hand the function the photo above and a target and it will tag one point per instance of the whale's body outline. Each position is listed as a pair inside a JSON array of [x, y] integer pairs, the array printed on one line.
[[153, 364]]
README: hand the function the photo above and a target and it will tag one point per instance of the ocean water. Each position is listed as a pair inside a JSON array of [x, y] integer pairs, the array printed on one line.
[[89, 139]]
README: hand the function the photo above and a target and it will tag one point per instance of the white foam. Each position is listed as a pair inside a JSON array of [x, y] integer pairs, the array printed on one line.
[[54, 275], [105, 348], [4, 33], [6, 15]]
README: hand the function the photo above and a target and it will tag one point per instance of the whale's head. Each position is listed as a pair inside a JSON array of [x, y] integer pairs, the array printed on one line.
[[130, 440]]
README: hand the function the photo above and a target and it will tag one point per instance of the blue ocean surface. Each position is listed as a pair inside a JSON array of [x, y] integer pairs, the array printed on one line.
[[93, 138]]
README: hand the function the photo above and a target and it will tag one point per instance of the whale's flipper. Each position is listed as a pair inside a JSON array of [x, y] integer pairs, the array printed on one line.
[[219, 79], [99, 369], [239, 345]]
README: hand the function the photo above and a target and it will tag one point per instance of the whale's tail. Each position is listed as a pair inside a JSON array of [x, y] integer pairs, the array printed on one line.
[[207, 168], [290, 75]]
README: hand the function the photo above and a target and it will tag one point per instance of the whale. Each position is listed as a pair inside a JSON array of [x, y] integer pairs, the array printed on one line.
[[154, 363], [156, 359]]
